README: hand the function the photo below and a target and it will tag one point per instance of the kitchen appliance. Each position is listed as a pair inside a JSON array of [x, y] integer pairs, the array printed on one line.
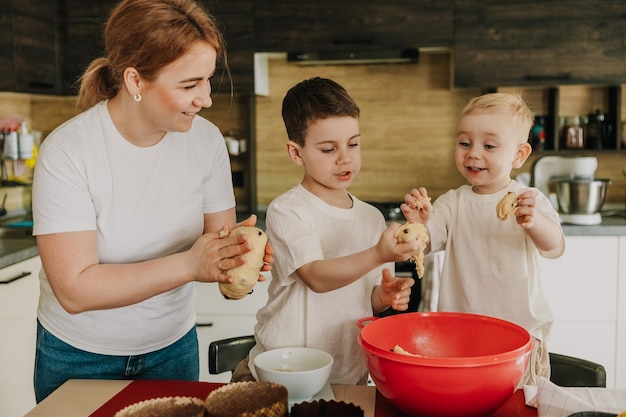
[[580, 195], [393, 56], [548, 169]]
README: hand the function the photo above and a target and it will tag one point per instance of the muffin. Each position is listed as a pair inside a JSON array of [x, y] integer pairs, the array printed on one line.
[[248, 399], [165, 407], [323, 408]]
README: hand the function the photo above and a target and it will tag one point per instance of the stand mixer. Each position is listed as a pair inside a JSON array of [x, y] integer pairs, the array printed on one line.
[[547, 167]]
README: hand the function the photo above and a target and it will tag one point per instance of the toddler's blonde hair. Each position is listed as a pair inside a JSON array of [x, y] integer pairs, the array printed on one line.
[[512, 103]]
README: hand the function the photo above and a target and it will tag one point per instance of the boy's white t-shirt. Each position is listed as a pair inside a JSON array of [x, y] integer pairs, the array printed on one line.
[[302, 228], [491, 266], [144, 203]]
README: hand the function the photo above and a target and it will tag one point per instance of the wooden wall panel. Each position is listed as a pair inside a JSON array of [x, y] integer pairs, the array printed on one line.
[[408, 124]]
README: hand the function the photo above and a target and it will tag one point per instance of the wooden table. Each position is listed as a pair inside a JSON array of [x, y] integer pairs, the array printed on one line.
[[82, 397]]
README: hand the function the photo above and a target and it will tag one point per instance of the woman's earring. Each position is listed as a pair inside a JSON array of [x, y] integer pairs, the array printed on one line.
[[137, 97]]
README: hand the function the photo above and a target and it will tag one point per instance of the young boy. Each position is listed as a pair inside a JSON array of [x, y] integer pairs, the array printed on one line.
[[332, 252], [491, 265]]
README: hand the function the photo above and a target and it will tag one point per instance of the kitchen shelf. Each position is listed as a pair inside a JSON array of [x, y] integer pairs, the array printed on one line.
[[612, 108]]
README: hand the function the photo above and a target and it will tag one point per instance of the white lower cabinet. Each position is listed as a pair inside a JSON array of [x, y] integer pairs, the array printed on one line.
[[620, 365], [219, 318], [18, 315], [583, 288], [586, 289], [221, 327]]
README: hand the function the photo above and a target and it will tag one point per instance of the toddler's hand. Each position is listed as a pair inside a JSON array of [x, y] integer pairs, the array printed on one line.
[[417, 206], [396, 292], [526, 209]]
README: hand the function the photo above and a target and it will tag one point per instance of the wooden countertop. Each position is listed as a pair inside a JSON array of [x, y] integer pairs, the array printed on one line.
[[81, 398]]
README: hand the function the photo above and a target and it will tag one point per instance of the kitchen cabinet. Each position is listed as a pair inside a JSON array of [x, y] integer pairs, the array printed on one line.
[[550, 44], [18, 313], [620, 365], [285, 25], [512, 43], [7, 59], [236, 21], [585, 288], [218, 318], [29, 53], [83, 40]]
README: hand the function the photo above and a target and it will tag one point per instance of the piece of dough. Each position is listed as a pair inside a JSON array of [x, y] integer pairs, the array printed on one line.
[[506, 206], [420, 202], [245, 276], [409, 231], [399, 349]]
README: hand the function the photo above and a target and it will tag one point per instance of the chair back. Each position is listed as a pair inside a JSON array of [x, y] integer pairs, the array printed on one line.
[[225, 354], [568, 371]]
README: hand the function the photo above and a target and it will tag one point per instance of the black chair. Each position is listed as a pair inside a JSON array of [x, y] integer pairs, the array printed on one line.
[[567, 371], [224, 355]]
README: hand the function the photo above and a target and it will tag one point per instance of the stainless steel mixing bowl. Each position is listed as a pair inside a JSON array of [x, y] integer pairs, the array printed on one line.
[[580, 195]]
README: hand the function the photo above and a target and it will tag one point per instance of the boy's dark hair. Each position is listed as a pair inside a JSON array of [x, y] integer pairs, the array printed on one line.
[[312, 100]]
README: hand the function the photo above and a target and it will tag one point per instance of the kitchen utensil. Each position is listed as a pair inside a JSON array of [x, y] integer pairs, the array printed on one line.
[[580, 195], [599, 131], [468, 365], [304, 371], [573, 133], [546, 167]]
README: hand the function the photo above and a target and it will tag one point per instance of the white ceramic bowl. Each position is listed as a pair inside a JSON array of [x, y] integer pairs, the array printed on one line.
[[304, 371]]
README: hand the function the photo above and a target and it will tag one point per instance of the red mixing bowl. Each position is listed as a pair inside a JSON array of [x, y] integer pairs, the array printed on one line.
[[469, 365]]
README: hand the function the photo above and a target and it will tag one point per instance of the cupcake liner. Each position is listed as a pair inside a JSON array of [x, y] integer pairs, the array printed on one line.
[[323, 408], [248, 399]]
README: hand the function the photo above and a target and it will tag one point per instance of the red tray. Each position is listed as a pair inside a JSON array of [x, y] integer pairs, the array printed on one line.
[[141, 390]]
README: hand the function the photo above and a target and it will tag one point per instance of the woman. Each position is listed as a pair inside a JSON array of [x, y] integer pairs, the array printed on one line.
[[128, 199]]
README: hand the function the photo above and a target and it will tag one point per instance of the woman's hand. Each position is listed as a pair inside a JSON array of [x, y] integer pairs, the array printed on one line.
[[268, 259], [214, 253]]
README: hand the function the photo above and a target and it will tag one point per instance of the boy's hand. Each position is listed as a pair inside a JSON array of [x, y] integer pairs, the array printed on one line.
[[417, 206], [526, 209], [390, 250], [395, 292]]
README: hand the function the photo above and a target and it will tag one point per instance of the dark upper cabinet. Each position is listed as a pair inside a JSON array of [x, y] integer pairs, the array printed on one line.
[[30, 54], [287, 25], [222, 7], [84, 30], [82, 38], [236, 20], [538, 42], [7, 59]]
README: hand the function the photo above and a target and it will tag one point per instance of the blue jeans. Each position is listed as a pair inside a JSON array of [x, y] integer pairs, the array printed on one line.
[[56, 362]]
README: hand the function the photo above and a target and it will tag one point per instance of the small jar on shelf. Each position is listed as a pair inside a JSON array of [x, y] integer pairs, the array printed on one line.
[[572, 136]]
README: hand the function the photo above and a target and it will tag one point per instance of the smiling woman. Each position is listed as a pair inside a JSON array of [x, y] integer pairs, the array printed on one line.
[[132, 194]]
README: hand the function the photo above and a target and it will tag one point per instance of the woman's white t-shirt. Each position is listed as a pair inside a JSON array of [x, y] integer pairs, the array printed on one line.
[[144, 203]]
